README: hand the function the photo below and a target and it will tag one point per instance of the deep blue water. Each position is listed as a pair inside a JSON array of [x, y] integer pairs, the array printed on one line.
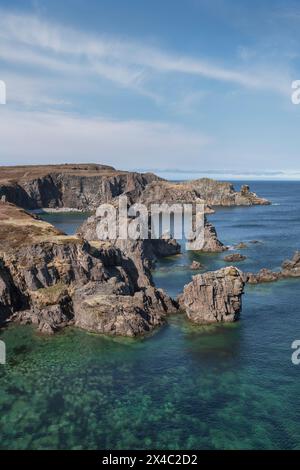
[[185, 386]]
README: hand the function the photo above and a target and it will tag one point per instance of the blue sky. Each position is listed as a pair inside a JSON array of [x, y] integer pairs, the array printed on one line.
[[188, 87]]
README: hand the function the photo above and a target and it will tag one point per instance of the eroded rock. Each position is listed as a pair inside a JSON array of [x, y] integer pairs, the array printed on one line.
[[214, 296]]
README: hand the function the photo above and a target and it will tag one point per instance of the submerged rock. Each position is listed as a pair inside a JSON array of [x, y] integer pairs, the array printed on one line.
[[214, 296]]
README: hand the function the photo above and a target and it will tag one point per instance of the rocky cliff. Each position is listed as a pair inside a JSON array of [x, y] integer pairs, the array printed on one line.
[[81, 187], [53, 280]]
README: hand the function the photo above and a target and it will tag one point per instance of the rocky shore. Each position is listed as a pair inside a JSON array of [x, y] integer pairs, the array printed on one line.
[[53, 280]]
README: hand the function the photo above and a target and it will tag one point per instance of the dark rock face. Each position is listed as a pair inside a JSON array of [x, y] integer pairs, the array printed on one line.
[[214, 296], [235, 258], [96, 288], [81, 187], [103, 311]]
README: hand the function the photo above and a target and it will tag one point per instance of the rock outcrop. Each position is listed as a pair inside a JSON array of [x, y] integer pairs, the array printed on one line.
[[217, 193], [289, 269], [212, 192], [52, 280], [234, 258], [156, 248], [196, 265], [85, 186], [214, 296], [264, 275]]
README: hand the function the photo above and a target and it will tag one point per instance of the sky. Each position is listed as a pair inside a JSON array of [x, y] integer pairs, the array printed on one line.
[[185, 88]]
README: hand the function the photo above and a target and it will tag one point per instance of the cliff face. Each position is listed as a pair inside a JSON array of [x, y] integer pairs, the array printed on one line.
[[81, 187], [52, 280]]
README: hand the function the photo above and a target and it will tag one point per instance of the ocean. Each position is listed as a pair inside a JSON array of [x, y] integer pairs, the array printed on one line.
[[184, 386]]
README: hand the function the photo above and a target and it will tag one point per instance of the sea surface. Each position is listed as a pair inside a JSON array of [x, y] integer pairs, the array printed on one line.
[[184, 387]]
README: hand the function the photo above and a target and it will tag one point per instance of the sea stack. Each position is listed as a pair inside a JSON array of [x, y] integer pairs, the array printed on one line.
[[214, 296]]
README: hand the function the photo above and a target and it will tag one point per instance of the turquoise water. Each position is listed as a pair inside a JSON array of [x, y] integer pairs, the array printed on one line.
[[185, 386]]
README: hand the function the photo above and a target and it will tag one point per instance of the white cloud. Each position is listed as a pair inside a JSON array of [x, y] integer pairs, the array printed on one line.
[[59, 137]]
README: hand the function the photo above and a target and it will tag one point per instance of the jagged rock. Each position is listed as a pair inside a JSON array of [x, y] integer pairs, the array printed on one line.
[[213, 193], [291, 268], [264, 275], [214, 296], [211, 242], [107, 312], [195, 265], [216, 193], [78, 186], [241, 246], [156, 248], [234, 258]]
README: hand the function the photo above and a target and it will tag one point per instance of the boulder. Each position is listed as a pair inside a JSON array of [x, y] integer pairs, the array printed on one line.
[[214, 296]]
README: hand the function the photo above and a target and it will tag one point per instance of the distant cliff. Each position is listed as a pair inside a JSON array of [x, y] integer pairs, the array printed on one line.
[[212, 192], [81, 187], [84, 187], [217, 193]]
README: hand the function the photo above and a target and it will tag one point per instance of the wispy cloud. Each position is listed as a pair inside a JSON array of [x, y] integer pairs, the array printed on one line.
[[36, 42]]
